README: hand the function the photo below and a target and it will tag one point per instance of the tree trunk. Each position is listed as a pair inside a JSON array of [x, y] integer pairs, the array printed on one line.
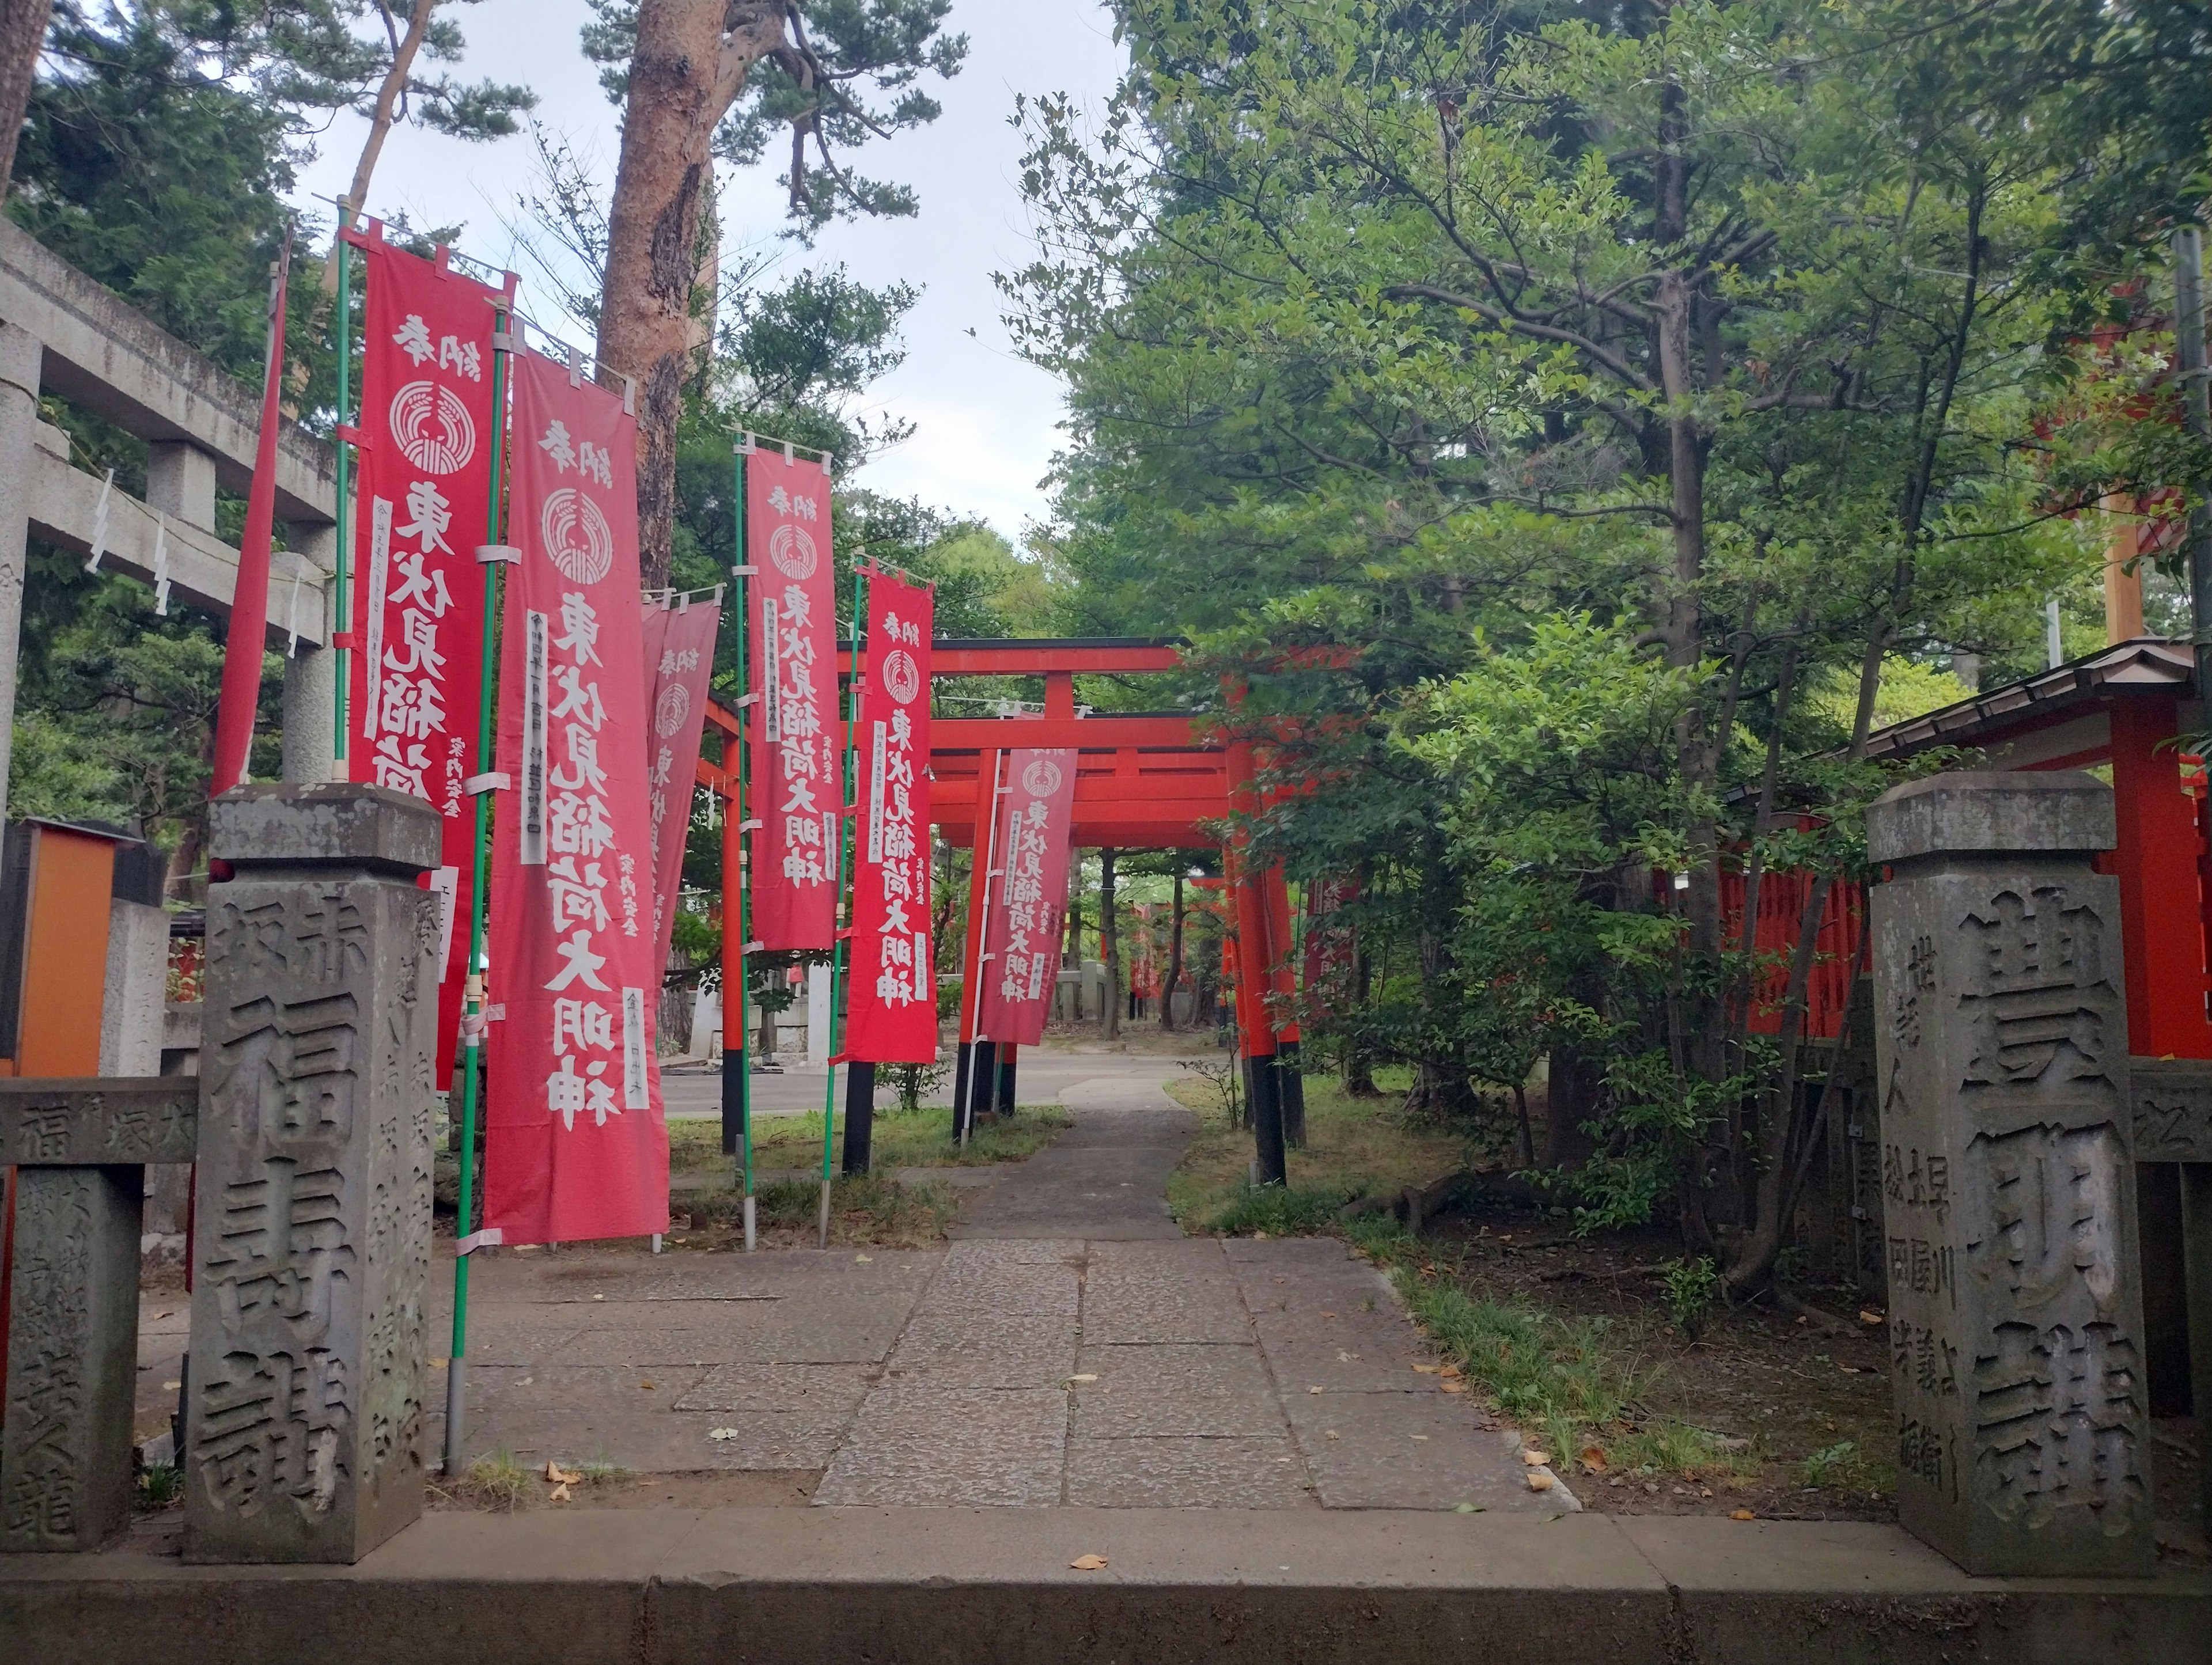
[[22, 33], [1358, 1063], [1109, 950], [1173, 980], [382, 115], [1071, 948], [691, 60]]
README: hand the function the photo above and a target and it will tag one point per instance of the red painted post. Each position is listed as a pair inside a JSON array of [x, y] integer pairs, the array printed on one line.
[[2157, 863]]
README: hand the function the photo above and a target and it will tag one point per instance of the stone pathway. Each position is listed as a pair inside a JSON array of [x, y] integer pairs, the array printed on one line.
[[1071, 1348]]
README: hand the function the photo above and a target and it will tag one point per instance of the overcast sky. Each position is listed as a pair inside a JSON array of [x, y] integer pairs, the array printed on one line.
[[987, 423]]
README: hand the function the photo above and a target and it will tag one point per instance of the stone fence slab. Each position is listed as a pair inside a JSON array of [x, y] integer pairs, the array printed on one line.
[[99, 1121], [2173, 1109]]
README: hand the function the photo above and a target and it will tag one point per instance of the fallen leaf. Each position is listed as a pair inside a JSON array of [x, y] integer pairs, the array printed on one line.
[[1313, 1390], [1866, 1317], [1803, 1321], [647, 1386], [1257, 1237], [1332, 1434], [598, 1298], [1083, 1378], [560, 1476], [1594, 1459], [561, 1492], [1451, 1372], [1535, 1459], [1741, 1515], [864, 1259], [1850, 1370], [1466, 1508], [1453, 1386], [1541, 1482], [1088, 1563], [722, 1433], [170, 1387], [1422, 1437], [1430, 1370], [1325, 1315]]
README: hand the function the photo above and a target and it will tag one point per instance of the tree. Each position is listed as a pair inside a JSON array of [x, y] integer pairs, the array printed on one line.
[[1416, 351], [22, 34], [680, 68]]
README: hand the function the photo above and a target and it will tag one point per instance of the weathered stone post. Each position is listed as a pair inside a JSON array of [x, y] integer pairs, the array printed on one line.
[[311, 1243], [2009, 1179], [80, 1147]]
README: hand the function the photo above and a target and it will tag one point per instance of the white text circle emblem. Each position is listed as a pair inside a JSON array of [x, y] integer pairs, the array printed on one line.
[[577, 537], [1042, 778], [433, 427], [792, 549], [668, 712], [901, 676]]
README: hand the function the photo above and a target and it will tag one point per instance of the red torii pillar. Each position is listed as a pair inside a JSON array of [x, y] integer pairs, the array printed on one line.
[[1255, 1023]]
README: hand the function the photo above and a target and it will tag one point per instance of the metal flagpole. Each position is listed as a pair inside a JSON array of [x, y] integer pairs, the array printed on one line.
[[844, 827], [741, 1068], [472, 988], [344, 613]]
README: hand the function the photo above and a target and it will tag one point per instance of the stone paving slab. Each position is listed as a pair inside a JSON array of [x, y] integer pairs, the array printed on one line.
[[765, 1389], [1367, 1352], [971, 1349], [1399, 1451], [1175, 1390], [1187, 1473], [1162, 1292], [655, 1441], [943, 1447]]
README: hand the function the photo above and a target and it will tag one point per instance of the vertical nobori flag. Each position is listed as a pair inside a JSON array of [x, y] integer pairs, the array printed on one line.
[[1028, 896], [679, 645], [576, 1146], [798, 787], [418, 606], [892, 1008]]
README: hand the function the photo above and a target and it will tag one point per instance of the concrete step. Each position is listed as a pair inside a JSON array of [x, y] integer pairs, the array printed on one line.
[[995, 1587]]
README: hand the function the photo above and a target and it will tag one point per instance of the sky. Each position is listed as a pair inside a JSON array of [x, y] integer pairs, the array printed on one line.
[[987, 423]]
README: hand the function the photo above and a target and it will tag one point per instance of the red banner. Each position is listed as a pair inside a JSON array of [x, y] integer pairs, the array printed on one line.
[[1029, 903], [419, 515], [797, 784], [892, 1015], [679, 659], [1332, 951], [576, 1146]]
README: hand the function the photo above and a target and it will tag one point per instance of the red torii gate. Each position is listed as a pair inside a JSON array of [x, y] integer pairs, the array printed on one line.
[[1144, 781]]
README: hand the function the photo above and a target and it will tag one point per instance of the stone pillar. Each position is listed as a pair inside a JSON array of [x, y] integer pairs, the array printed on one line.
[[311, 674], [136, 988], [180, 482], [65, 1479], [2009, 1176], [22, 359], [311, 1236]]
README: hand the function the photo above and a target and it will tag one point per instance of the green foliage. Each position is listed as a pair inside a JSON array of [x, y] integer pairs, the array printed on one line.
[[1278, 1210], [1691, 1286]]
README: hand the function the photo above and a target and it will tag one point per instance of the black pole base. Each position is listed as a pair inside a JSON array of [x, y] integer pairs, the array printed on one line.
[[733, 1100], [966, 1057], [1291, 1081], [983, 1076], [1006, 1068], [859, 1114], [1268, 1122]]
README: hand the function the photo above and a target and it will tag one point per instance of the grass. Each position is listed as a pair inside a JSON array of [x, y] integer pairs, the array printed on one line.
[[1354, 1147], [497, 1481], [1563, 1380], [160, 1485], [866, 1210], [922, 1138]]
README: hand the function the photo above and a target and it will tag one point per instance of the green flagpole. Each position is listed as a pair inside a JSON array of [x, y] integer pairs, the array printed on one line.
[[344, 610], [473, 983], [837, 951], [737, 810]]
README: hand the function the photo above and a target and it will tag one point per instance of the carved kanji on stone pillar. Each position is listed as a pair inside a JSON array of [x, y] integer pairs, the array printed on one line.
[[311, 1236], [2007, 1176]]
